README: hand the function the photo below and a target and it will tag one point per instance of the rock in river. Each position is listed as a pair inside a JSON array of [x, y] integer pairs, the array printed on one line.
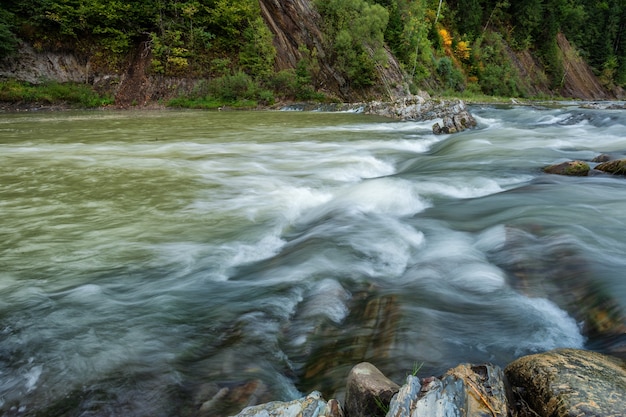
[[616, 167], [572, 168]]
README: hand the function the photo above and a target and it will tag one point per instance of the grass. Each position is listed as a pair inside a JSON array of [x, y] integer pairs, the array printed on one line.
[[210, 103], [73, 94]]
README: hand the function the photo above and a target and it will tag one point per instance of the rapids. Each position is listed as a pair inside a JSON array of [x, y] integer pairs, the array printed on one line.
[[149, 257]]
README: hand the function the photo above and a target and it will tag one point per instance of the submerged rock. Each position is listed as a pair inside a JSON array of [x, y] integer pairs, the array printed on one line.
[[602, 158], [571, 168], [569, 382], [313, 405], [369, 392], [541, 264], [333, 350]]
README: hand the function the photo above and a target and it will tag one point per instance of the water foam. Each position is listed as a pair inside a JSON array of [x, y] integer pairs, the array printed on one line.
[[390, 196], [557, 329]]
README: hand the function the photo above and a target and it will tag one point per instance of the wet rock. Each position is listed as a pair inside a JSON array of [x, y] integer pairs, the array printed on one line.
[[455, 123], [571, 168], [616, 167], [402, 403], [369, 392], [467, 390], [568, 382], [313, 405], [421, 107]]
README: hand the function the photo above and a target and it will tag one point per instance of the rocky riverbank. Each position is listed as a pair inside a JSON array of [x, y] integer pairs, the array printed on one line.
[[559, 383]]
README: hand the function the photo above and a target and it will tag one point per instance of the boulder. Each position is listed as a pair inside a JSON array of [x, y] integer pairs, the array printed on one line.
[[467, 390], [571, 168], [457, 122], [369, 392], [313, 405], [616, 167], [568, 382], [602, 158], [421, 107]]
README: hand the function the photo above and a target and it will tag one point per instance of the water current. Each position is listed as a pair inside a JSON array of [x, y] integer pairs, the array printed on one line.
[[152, 263]]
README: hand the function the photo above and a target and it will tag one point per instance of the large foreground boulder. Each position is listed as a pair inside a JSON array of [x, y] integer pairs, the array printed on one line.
[[569, 382], [464, 391], [369, 392]]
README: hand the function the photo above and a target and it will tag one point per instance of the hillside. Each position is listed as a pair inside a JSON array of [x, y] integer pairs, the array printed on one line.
[[248, 51]]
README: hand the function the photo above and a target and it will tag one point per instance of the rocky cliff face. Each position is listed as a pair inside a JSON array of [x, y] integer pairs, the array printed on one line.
[[295, 24], [579, 81]]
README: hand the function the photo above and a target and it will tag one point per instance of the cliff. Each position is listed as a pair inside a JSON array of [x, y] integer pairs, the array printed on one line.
[[295, 24]]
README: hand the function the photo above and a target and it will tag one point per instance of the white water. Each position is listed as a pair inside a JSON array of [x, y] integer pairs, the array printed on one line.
[[146, 256]]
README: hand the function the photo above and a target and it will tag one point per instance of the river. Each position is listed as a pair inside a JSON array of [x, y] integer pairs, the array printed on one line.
[[153, 261]]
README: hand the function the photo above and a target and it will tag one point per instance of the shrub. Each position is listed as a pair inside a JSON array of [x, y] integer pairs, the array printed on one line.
[[230, 88]]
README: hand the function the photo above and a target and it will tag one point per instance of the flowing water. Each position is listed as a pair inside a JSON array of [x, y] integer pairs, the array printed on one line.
[[152, 261]]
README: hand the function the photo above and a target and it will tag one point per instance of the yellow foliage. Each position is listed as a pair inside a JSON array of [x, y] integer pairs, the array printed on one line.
[[177, 64], [463, 50], [446, 38]]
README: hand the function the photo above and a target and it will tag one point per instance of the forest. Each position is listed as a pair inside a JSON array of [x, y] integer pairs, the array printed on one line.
[[447, 46]]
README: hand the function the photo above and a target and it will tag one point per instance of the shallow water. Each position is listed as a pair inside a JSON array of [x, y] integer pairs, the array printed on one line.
[[148, 256]]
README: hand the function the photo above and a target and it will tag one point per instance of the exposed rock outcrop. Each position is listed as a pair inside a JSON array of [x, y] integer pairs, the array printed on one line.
[[615, 167], [569, 382], [571, 168], [476, 391], [578, 79], [455, 122], [454, 113], [368, 391], [296, 24], [35, 66]]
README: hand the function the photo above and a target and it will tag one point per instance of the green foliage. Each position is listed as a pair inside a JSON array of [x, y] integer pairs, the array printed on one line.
[[258, 53], [79, 95], [470, 18], [237, 90], [8, 41], [355, 32], [492, 68], [169, 55], [526, 17], [451, 76], [231, 88]]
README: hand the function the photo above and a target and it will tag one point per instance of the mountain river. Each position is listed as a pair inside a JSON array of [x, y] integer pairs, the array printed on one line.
[[159, 263]]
